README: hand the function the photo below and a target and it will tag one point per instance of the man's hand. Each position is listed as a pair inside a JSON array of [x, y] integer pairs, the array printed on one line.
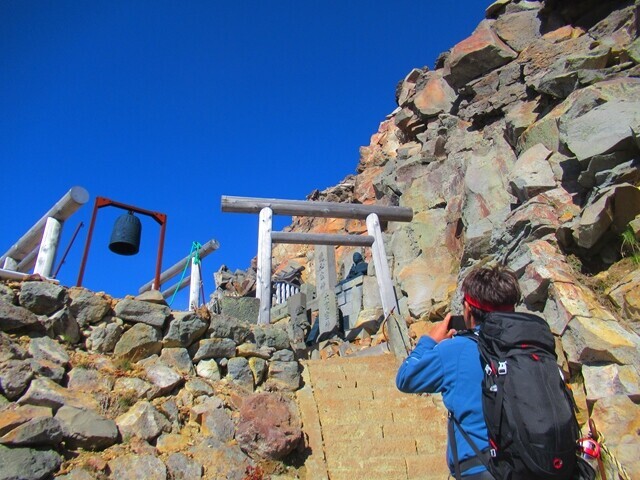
[[442, 331]]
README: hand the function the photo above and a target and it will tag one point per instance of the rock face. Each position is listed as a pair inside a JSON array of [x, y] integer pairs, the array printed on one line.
[[520, 147]]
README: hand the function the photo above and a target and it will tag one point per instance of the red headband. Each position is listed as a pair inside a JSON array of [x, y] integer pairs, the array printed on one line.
[[487, 307]]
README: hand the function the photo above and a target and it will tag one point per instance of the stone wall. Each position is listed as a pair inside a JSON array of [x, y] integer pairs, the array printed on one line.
[[158, 393]]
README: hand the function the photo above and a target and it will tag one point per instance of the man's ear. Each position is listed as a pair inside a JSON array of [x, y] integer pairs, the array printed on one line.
[[468, 316]]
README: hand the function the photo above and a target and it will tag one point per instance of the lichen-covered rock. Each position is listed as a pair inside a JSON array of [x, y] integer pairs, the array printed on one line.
[[140, 341], [214, 348], [104, 337], [63, 325], [38, 432], [28, 463], [42, 298], [238, 371], [178, 359], [270, 336], [208, 369], [135, 467], [45, 392], [181, 467], [285, 374], [135, 311], [86, 429], [225, 326], [142, 421], [44, 348], [220, 460], [13, 317], [184, 329], [87, 308], [15, 376], [162, 377], [269, 426]]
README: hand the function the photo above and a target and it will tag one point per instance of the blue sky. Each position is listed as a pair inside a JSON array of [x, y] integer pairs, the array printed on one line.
[[168, 105]]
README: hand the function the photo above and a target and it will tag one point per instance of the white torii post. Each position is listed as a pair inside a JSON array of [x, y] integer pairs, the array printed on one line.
[[48, 247], [194, 287], [263, 274]]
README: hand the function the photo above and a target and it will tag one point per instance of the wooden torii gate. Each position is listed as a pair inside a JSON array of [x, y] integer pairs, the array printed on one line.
[[372, 214]]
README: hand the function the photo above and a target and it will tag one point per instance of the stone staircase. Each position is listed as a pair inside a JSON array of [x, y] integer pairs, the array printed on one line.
[[359, 426]]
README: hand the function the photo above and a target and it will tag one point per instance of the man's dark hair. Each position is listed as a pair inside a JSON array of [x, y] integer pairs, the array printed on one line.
[[495, 286]]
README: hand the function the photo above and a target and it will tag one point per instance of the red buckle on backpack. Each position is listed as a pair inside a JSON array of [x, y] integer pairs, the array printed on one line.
[[557, 463]]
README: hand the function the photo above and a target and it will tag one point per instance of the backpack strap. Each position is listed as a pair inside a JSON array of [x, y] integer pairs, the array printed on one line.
[[454, 446]]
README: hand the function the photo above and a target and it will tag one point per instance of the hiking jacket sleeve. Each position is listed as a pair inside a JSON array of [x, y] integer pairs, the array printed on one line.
[[422, 371]]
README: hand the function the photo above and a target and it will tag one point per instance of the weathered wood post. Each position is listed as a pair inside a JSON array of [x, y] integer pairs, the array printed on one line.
[[48, 247], [398, 333], [263, 275]]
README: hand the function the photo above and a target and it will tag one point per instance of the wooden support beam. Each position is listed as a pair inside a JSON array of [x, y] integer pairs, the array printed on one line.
[[170, 290], [12, 275], [315, 209], [28, 261], [321, 239], [209, 247], [10, 264], [397, 328], [63, 209], [263, 274], [48, 247]]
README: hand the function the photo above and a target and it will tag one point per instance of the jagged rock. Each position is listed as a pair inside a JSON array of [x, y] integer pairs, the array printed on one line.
[[134, 387], [248, 350], [46, 393], [208, 369], [285, 374], [258, 368], [184, 329], [495, 8], [28, 463], [214, 420], [90, 380], [14, 416], [135, 467], [604, 129], [615, 208], [480, 53], [435, 97], [171, 442], [86, 429], [244, 309], [599, 164], [13, 318], [220, 460], [181, 467], [140, 341], [135, 311], [617, 418], [566, 301], [42, 298], [626, 296], [609, 380], [283, 356], [62, 325], [518, 119], [15, 376], [519, 29], [197, 387], [239, 372], [532, 173], [87, 307], [7, 294], [44, 348], [10, 350], [178, 359], [214, 348], [143, 421], [104, 337], [162, 377], [273, 337], [47, 369], [268, 426], [224, 326], [152, 296], [39, 432], [77, 474], [591, 340], [407, 88]]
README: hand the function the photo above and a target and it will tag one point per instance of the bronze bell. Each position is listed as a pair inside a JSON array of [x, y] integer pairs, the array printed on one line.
[[125, 236]]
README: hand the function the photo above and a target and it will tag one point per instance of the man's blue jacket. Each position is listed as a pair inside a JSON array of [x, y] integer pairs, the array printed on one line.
[[453, 368]]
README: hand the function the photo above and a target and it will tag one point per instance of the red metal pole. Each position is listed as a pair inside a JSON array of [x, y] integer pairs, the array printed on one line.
[[88, 243], [163, 222]]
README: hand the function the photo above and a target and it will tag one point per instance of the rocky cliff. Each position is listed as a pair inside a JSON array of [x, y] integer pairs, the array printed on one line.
[[521, 147]]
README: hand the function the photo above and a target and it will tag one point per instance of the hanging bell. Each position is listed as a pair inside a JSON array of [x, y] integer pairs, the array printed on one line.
[[125, 236]]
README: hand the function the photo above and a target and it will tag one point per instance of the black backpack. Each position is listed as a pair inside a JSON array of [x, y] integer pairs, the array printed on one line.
[[528, 409]]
